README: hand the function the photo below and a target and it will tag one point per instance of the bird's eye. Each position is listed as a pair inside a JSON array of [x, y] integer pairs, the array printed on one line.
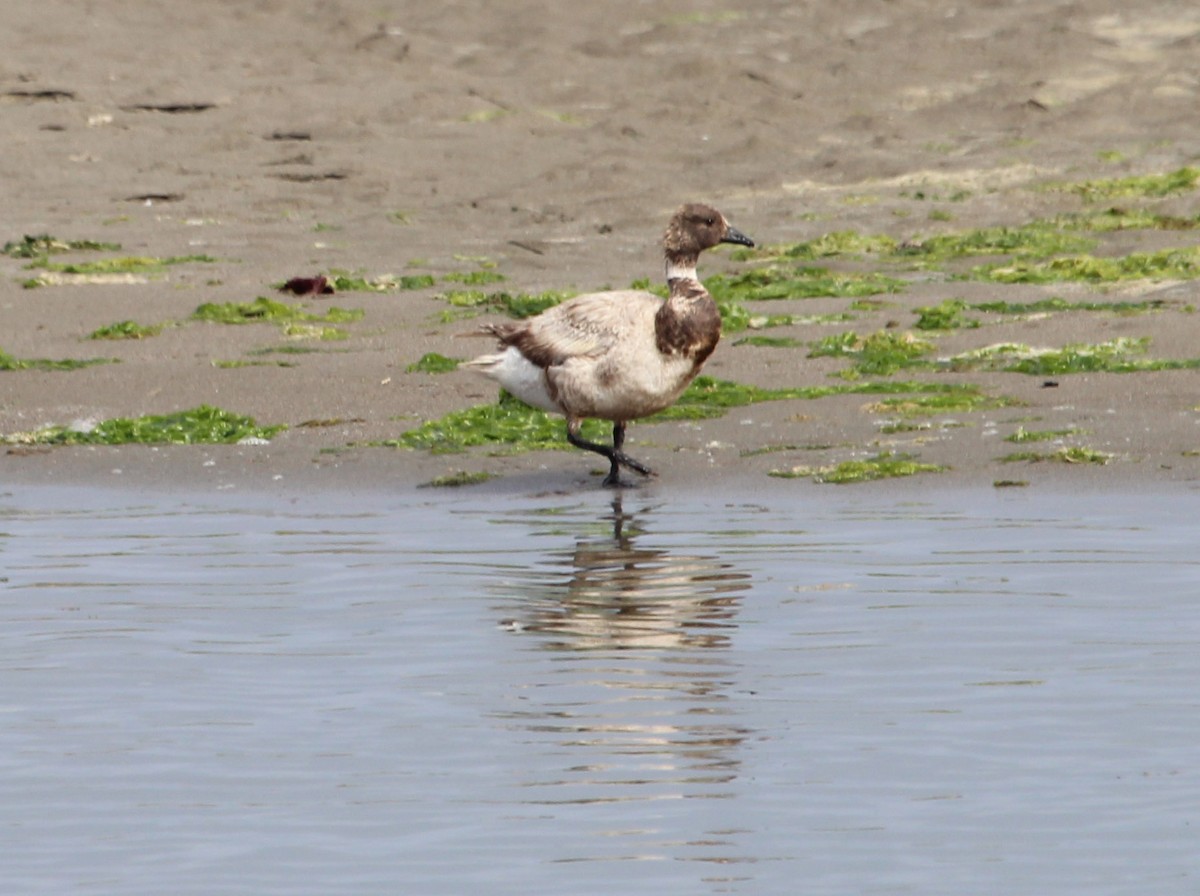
[[709, 221]]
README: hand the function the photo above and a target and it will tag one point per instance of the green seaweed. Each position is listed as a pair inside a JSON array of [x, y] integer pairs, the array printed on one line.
[[8, 362], [457, 480], [954, 400], [1027, 243], [1055, 304], [126, 329], [345, 281], [736, 318], [1038, 239], [776, 449], [891, 427], [1116, 219], [947, 315], [432, 362], [474, 278], [1068, 455], [133, 264], [1165, 264], [1147, 186], [789, 282], [878, 354], [1023, 435], [518, 305], [199, 425], [298, 330], [269, 310], [828, 245], [887, 465], [869, 304], [291, 349], [709, 397], [1112, 356], [1080, 359], [233, 365], [509, 422], [770, 341], [44, 244]]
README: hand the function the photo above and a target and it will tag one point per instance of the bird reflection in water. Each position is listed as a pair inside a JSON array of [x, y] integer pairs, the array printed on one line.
[[632, 692], [620, 595]]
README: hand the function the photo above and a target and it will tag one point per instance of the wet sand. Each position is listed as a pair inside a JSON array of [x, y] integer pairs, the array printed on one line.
[[288, 139]]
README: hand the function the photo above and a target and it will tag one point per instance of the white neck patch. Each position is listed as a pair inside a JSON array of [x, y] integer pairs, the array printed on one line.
[[677, 271]]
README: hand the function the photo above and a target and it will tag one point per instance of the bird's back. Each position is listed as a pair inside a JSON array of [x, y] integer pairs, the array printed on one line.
[[585, 326]]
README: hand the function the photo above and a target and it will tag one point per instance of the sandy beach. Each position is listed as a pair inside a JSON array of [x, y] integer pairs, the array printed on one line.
[[249, 143]]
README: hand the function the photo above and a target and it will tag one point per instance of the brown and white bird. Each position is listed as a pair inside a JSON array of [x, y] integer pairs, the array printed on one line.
[[618, 355]]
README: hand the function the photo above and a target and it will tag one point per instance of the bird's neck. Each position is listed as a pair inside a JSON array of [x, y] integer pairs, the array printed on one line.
[[681, 267]]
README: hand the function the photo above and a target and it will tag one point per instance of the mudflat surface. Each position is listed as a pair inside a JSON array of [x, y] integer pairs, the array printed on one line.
[[549, 145]]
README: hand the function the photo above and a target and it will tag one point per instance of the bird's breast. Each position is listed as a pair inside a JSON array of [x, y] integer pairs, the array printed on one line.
[[691, 331]]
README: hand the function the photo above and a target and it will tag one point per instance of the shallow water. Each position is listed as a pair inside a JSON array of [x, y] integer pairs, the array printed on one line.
[[821, 691]]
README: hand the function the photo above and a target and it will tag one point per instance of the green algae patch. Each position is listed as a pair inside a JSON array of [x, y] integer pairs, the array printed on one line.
[[1120, 355], [1029, 246], [878, 354], [952, 400], [953, 314], [946, 315], [1122, 308], [887, 465], [474, 278], [432, 362], [199, 425], [293, 349], [709, 397], [1144, 186], [313, 331], [790, 282], [129, 269], [235, 364], [345, 281], [518, 305], [770, 341], [133, 264], [736, 318], [44, 244], [126, 329], [1023, 435], [1038, 239], [457, 480], [829, 245], [8, 362], [1066, 455], [264, 310], [1082, 360], [1116, 218], [509, 423], [1165, 264]]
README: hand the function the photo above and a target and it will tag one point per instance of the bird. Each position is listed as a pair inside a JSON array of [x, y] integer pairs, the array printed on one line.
[[618, 355]]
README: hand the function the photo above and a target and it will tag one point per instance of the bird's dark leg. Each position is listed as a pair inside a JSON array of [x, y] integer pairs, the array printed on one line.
[[615, 455]]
